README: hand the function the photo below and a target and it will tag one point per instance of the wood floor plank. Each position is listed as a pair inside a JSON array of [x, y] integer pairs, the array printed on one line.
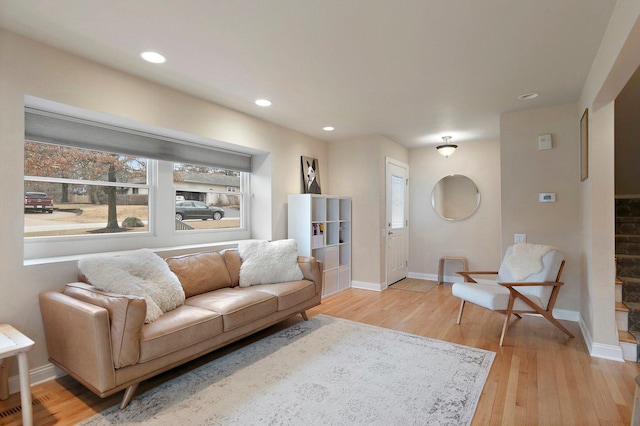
[[539, 377]]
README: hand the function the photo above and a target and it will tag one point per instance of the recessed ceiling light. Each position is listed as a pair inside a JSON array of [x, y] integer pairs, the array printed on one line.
[[263, 102], [526, 96], [153, 57], [328, 129]]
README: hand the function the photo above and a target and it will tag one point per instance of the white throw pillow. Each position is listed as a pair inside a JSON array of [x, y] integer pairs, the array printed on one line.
[[265, 262], [140, 273]]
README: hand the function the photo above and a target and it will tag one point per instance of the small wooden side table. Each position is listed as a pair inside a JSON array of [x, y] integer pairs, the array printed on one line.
[[14, 343], [463, 260]]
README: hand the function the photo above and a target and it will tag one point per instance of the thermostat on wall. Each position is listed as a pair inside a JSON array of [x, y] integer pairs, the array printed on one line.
[[547, 197]]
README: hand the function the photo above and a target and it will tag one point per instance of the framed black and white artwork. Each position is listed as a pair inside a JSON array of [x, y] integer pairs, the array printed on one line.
[[310, 175]]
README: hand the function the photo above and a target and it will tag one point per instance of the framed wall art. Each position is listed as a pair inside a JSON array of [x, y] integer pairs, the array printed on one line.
[[310, 175]]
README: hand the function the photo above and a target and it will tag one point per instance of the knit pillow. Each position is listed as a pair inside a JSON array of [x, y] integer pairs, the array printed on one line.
[[140, 273], [266, 262]]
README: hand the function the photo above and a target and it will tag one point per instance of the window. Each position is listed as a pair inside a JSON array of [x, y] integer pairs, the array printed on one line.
[[92, 192], [204, 193], [114, 184]]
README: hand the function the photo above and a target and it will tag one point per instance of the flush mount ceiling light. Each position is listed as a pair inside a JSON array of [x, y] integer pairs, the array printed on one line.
[[263, 102], [153, 57], [328, 128], [527, 96], [447, 148]]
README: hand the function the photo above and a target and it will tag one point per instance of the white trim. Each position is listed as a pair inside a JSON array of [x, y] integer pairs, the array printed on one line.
[[368, 286], [38, 375], [564, 314], [599, 350], [446, 278]]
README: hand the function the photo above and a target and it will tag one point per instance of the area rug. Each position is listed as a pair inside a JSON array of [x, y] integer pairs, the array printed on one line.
[[412, 284], [325, 371]]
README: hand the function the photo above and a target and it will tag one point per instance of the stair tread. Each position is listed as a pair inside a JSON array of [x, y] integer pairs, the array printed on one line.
[[627, 256], [625, 336], [621, 307], [629, 280], [618, 281]]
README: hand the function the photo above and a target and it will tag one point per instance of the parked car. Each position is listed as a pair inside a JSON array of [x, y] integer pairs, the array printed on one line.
[[197, 210], [37, 201]]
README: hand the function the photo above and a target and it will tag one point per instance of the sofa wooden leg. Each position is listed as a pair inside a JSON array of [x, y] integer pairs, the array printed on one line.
[[128, 395], [304, 315]]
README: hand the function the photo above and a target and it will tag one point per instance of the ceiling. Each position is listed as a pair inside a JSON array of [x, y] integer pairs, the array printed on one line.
[[411, 70]]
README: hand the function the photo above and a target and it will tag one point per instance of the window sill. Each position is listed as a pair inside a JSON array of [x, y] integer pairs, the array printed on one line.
[[160, 251]]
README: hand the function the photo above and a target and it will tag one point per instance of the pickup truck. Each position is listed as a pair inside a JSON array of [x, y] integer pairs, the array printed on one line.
[[37, 201]]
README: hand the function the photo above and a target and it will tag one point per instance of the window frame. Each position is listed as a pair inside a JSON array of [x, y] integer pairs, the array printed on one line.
[[161, 206]]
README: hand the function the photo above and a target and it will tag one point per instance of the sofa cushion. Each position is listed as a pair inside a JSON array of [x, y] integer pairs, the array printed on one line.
[[178, 329], [126, 318], [290, 293], [238, 306], [137, 272], [267, 262], [233, 261], [201, 272]]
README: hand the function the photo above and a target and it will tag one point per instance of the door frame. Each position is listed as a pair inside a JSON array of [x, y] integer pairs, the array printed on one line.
[[387, 214]]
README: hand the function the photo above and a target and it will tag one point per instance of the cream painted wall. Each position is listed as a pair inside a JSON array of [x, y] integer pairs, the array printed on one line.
[[617, 59], [476, 238], [35, 69], [527, 171], [357, 170]]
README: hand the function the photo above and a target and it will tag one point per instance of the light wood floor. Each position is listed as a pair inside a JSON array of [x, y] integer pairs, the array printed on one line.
[[539, 377]]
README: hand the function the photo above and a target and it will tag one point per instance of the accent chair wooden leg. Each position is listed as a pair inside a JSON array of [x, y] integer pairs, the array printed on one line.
[[505, 327], [460, 313], [128, 395], [304, 315]]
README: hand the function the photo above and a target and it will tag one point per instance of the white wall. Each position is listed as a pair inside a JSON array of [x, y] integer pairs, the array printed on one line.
[[616, 61], [478, 237], [35, 69], [527, 171], [357, 170]]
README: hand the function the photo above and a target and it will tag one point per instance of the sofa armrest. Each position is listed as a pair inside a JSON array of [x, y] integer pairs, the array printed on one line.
[[312, 270], [77, 336], [126, 318]]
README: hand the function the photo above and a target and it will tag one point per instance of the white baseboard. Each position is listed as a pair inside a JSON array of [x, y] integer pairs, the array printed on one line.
[[446, 278], [563, 314], [368, 286], [600, 350], [37, 375], [421, 276]]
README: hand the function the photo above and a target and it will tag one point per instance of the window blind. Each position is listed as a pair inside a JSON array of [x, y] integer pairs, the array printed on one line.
[[60, 129]]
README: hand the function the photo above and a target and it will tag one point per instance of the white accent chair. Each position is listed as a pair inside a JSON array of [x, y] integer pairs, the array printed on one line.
[[535, 293]]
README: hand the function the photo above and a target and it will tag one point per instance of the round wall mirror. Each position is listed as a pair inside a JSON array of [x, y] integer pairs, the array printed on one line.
[[455, 197]]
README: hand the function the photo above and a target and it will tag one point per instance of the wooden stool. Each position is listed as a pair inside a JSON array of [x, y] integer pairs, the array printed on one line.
[[463, 260]]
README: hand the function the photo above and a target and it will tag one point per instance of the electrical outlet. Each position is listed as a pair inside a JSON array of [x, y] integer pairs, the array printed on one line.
[[519, 238]]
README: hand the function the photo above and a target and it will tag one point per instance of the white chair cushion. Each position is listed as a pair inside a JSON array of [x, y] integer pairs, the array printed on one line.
[[492, 296]]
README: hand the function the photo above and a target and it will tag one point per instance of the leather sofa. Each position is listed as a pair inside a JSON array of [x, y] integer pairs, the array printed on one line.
[[101, 339]]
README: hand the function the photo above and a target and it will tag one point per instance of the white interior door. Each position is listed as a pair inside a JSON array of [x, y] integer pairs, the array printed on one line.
[[397, 221]]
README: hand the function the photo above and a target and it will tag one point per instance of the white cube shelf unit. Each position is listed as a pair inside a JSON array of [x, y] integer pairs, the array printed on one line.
[[321, 225]]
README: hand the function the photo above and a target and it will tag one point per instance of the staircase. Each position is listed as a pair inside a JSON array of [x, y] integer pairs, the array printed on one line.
[[628, 276]]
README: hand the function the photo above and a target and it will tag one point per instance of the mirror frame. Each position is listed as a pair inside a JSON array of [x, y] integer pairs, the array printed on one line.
[[466, 215]]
